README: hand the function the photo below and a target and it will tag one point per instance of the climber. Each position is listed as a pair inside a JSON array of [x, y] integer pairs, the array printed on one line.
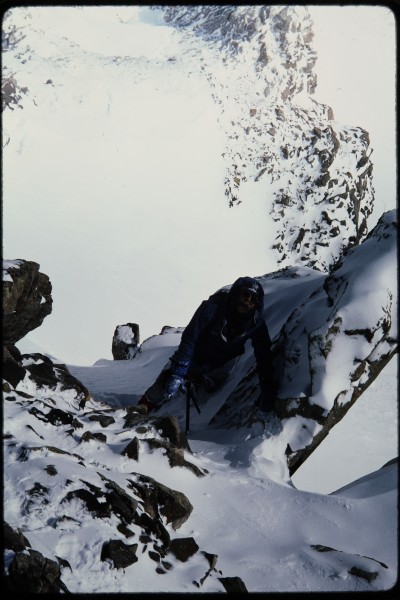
[[212, 343]]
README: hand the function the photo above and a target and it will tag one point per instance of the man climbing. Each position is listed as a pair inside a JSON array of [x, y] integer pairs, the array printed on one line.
[[212, 343]]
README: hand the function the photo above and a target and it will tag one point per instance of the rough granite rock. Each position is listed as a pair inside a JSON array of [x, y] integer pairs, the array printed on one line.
[[29, 571], [27, 299], [323, 206], [60, 415], [125, 343]]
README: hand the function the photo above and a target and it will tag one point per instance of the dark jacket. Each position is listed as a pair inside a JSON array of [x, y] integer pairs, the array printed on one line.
[[216, 334]]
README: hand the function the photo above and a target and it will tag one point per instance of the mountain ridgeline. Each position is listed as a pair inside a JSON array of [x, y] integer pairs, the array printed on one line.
[[319, 170]]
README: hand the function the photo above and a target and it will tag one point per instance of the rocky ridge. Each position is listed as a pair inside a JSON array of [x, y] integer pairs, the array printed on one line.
[[316, 172], [326, 325], [61, 422]]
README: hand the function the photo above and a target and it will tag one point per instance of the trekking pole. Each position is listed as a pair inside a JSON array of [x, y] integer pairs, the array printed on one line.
[[195, 404], [189, 397], [188, 394]]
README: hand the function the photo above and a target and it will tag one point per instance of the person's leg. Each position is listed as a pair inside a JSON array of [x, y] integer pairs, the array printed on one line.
[[154, 395]]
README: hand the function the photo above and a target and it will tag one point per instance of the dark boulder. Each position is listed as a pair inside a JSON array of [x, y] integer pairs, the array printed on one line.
[[122, 555], [125, 343], [183, 548], [27, 299], [29, 571]]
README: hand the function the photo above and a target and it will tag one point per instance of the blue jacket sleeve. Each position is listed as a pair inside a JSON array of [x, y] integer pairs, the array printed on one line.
[[180, 361]]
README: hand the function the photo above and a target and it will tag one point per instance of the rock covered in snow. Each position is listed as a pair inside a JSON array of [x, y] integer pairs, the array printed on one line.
[[27, 299], [319, 175], [52, 421], [125, 341], [257, 61], [316, 172], [29, 571], [330, 348], [337, 342]]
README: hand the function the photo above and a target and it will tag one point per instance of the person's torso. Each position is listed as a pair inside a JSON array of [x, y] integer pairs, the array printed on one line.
[[221, 340]]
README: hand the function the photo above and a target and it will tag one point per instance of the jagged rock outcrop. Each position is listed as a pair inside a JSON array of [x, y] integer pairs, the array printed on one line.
[[58, 423], [29, 571], [342, 345], [131, 504], [125, 342], [27, 299], [141, 516], [332, 347], [45, 373], [274, 37], [316, 173]]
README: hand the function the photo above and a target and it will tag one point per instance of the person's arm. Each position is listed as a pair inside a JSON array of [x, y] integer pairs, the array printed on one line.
[[262, 350], [181, 359]]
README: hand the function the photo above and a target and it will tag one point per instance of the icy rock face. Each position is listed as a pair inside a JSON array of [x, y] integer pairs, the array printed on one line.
[[26, 299], [339, 340], [51, 420], [345, 334], [29, 570], [316, 172], [331, 347]]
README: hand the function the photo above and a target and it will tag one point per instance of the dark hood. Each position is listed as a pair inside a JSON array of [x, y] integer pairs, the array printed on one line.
[[247, 283]]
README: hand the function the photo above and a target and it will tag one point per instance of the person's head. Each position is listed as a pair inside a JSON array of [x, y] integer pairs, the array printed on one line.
[[247, 301], [247, 295]]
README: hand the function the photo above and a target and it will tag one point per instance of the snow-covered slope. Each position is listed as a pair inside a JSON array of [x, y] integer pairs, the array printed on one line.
[[201, 123], [93, 455], [141, 126], [313, 173], [75, 484]]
